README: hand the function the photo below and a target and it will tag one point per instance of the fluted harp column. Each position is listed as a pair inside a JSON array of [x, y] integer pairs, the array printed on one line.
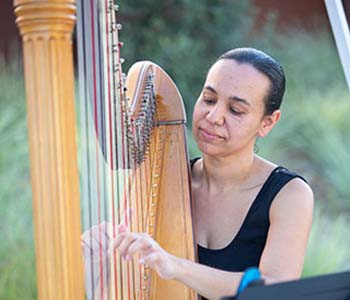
[[46, 27]]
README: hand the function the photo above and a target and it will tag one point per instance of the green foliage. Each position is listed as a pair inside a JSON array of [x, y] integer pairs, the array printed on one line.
[[17, 272], [329, 246], [184, 37]]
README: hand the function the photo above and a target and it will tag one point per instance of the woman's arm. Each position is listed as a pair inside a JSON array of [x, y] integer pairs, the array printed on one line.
[[282, 258], [290, 223], [208, 282]]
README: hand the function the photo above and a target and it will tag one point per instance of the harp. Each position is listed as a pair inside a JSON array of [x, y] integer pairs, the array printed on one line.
[[151, 173]]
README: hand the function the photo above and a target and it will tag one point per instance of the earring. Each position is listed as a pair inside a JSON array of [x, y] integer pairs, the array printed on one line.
[[256, 148]]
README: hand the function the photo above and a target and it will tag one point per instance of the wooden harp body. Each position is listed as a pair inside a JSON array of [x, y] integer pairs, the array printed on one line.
[[169, 194], [163, 208]]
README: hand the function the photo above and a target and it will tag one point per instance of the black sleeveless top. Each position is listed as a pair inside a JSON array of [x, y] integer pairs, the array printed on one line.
[[246, 248]]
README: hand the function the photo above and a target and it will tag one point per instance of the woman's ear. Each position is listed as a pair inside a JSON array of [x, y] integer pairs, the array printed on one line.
[[268, 122]]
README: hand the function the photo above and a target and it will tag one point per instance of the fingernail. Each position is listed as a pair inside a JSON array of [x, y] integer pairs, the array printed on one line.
[[121, 228], [141, 261]]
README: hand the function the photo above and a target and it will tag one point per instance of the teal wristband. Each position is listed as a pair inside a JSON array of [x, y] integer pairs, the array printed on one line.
[[250, 275]]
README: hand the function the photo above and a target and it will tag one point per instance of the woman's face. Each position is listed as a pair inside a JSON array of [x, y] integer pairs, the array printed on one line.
[[229, 113]]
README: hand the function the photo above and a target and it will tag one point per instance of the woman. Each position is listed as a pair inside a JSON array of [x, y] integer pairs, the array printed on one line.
[[247, 211]]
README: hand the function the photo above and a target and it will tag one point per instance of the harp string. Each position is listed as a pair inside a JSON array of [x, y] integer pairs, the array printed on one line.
[[113, 130], [139, 206], [104, 135], [129, 195], [119, 124], [89, 182], [139, 200], [98, 77], [124, 209]]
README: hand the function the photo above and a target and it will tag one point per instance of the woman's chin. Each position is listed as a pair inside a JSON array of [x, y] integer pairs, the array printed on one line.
[[209, 149]]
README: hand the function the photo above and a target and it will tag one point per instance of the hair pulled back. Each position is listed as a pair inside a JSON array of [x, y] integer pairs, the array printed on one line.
[[267, 66]]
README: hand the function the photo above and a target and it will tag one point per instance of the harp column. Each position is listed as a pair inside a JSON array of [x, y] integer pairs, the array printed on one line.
[[46, 27]]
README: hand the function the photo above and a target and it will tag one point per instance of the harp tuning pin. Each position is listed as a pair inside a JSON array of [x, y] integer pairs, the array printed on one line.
[[116, 7], [116, 26]]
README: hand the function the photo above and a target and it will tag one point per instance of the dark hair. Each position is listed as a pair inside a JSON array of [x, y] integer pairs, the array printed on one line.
[[266, 65]]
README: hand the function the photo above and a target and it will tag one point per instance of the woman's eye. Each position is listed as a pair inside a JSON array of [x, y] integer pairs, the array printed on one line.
[[235, 112], [209, 101]]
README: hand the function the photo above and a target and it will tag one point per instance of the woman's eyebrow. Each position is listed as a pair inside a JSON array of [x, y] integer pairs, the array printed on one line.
[[234, 98], [211, 89], [239, 99]]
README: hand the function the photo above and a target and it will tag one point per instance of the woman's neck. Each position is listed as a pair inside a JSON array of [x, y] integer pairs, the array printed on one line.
[[222, 174]]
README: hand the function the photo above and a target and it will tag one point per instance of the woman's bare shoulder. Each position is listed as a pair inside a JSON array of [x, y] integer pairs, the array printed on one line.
[[295, 196], [294, 199]]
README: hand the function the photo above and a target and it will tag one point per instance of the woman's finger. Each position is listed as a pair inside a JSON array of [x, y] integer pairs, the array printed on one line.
[[122, 233], [142, 244], [96, 237], [122, 228], [127, 216], [125, 243], [118, 240]]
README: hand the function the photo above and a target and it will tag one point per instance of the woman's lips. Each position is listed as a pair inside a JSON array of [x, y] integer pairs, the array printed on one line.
[[208, 135]]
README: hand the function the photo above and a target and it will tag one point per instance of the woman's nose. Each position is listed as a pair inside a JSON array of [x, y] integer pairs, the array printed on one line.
[[216, 115]]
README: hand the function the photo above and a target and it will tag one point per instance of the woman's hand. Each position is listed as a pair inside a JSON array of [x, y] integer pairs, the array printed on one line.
[[129, 244], [97, 241]]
